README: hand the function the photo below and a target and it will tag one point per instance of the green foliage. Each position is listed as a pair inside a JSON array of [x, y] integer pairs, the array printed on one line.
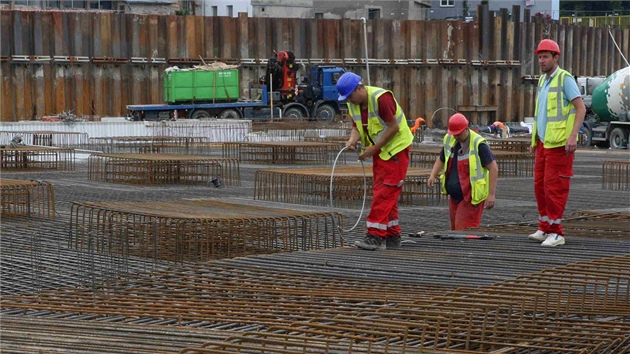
[[594, 8], [182, 12]]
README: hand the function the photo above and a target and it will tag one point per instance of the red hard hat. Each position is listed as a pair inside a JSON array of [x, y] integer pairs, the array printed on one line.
[[457, 124], [547, 45]]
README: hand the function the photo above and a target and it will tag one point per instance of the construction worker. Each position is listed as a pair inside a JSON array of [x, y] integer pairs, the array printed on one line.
[[559, 114], [498, 129], [417, 124], [470, 176], [379, 124]]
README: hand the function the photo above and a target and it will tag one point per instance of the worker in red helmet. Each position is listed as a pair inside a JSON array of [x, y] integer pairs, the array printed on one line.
[[559, 115], [468, 173], [379, 124]]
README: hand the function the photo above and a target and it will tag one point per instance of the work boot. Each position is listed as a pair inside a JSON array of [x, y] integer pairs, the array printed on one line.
[[539, 236], [553, 240], [371, 243], [392, 242]]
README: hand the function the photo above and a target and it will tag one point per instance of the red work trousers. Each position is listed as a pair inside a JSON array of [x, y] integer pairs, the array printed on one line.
[[553, 170], [389, 176], [464, 215]]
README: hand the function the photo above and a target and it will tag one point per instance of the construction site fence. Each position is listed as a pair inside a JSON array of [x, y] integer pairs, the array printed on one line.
[[596, 21], [97, 63]]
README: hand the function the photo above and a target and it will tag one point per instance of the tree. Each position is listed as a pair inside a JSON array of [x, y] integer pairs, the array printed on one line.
[[593, 8]]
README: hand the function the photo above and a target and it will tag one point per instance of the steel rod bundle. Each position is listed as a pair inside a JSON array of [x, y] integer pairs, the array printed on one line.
[[197, 230], [34, 158], [312, 186], [616, 175], [283, 153], [152, 144], [27, 198], [47, 138], [511, 164], [162, 169]]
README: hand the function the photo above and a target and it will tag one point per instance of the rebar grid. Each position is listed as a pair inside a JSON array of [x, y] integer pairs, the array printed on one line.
[[149, 169], [616, 175], [299, 131], [283, 153], [152, 144], [47, 138], [510, 144], [215, 130], [577, 308], [311, 186], [588, 224], [510, 164], [197, 230], [36, 158], [27, 198]]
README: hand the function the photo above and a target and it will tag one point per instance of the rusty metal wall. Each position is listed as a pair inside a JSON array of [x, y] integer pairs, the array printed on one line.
[[96, 63]]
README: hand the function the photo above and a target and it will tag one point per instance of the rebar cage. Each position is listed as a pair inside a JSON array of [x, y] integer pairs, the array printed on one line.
[[34, 158], [616, 175], [198, 230], [510, 164], [152, 144], [149, 169], [284, 153], [298, 131], [47, 138], [27, 198], [311, 186]]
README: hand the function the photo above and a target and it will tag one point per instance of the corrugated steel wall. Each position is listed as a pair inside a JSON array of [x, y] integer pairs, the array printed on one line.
[[93, 63]]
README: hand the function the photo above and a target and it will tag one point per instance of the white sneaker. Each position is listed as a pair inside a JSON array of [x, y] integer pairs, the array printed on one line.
[[553, 240], [538, 236]]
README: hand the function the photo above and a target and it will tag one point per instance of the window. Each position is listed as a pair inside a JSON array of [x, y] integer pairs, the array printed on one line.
[[319, 15], [374, 14], [447, 3], [230, 11], [215, 11]]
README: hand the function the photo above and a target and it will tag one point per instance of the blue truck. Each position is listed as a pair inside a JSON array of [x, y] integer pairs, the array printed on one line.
[[315, 98]]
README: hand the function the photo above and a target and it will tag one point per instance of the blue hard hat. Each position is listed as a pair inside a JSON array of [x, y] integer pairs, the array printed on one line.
[[346, 84]]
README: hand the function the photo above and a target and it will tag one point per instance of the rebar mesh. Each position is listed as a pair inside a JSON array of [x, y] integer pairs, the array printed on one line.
[[510, 164], [311, 186], [162, 169], [298, 131], [616, 175], [152, 144], [34, 158], [196, 230], [284, 153], [215, 131], [27, 198], [47, 138]]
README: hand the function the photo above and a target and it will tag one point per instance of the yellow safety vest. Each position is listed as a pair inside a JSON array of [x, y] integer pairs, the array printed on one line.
[[479, 176], [376, 125], [560, 117]]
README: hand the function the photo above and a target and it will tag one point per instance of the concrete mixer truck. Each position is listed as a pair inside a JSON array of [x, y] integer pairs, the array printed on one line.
[[607, 103]]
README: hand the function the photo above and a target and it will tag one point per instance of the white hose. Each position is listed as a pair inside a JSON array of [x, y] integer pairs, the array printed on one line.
[[332, 175]]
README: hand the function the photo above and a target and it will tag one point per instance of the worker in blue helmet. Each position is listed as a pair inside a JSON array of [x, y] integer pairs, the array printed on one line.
[[380, 125]]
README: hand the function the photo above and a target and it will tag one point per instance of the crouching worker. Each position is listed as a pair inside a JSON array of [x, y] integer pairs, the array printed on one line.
[[470, 176], [380, 125]]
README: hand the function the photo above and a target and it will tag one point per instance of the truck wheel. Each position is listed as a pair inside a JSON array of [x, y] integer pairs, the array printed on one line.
[[230, 114], [326, 113], [586, 138], [293, 113], [618, 138], [200, 114]]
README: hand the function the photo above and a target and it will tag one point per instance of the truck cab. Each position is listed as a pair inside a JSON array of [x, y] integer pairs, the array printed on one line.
[[317, 95]]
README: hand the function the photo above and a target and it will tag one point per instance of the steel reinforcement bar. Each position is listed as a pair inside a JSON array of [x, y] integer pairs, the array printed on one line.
[[311, 186], [47, 138], [283, 153], [36, 158], [616, 175], [197, 230], [27, 198], [510, 163], [162, 169], [152, 144]]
